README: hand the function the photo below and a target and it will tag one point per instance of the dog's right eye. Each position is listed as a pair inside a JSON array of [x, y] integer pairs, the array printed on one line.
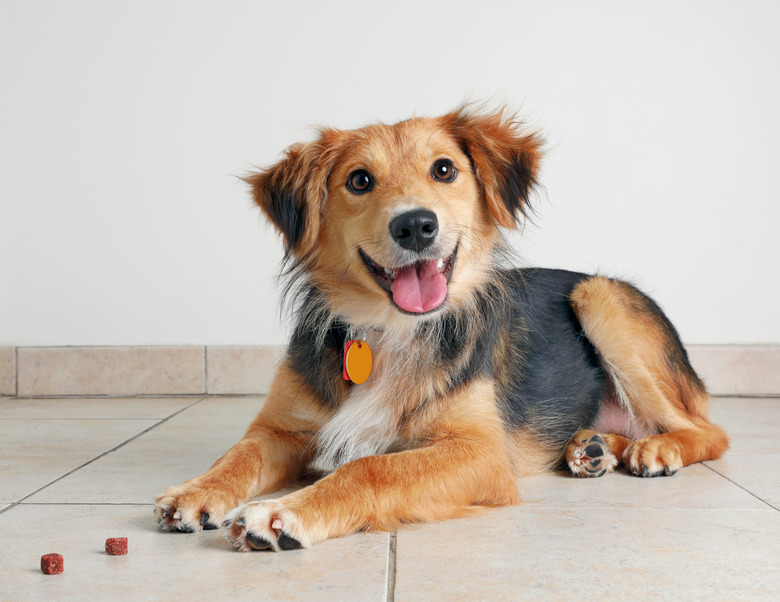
[[360, 181]]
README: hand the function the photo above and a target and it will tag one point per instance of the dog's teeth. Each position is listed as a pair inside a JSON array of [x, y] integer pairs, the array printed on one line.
[[388, 272], [440, 263]]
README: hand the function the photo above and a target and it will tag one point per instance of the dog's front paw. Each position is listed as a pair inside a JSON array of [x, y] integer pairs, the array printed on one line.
[[588, 455], [193, 506], [654, 456], [265, 525]]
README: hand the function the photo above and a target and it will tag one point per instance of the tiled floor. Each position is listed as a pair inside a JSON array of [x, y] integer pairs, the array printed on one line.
[[76, 471]]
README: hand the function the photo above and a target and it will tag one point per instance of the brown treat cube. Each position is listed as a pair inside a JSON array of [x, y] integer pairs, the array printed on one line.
[[115, 546], [52, 564]]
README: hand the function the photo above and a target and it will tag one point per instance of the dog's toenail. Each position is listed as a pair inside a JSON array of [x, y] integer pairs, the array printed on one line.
[[287, 542], [204, 518], [258, 542]]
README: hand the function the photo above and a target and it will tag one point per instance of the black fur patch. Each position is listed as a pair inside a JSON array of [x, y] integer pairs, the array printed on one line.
[[483, 339], [555, 382], [522, 332], [518, 181], [288, 211], [319, 363]]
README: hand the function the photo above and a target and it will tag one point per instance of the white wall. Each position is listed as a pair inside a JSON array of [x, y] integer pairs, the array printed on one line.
[[123, 126]]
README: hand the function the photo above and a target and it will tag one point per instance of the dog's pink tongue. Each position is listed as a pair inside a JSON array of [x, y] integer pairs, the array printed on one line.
[[419, 288]]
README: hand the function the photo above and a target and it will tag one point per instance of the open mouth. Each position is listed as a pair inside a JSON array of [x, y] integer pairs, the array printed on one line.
[[416, 288]]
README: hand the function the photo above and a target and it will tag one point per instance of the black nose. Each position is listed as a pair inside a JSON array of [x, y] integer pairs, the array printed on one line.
[[415, 230]]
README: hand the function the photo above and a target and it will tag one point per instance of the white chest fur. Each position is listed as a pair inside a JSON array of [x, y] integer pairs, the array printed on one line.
[[366, 424], [363, 426]]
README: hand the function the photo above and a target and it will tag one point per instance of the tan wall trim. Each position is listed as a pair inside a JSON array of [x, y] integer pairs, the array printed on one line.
[[738, 369], [113, 371], [235, 370], [7, 371]]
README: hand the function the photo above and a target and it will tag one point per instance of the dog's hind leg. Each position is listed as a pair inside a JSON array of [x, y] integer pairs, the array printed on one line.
[[651, 375]]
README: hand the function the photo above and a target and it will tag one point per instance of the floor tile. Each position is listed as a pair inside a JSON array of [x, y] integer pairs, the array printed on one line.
[[90, 408], [532, 553], [35, 452], [753, 424], [173, 566], [758, 473], [179, 449], [693, 487]]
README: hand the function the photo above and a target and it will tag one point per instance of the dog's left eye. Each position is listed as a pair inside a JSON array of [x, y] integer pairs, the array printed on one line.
[[360, 181], [444, 171]]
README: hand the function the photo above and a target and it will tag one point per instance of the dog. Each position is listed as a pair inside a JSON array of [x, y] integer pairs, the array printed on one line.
[[480, 372]]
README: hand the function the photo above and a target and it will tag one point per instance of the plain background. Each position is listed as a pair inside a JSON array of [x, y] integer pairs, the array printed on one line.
[[124, 127]]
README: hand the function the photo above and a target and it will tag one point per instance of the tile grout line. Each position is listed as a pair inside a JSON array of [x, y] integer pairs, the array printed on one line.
[[741, 487], [16, 371], [85, 503], [105, 453], [392, 560], [205, 369]]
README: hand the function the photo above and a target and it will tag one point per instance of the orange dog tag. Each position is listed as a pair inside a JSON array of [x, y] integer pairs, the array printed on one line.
[[357, 361]]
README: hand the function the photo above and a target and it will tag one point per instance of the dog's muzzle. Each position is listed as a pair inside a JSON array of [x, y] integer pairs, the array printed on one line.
[[418, 287]]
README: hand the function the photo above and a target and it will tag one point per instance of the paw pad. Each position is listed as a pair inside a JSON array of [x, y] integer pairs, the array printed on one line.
[[590, 457]]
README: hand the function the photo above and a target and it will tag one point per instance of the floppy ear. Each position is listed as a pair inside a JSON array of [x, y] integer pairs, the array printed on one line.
[[293, 192], [505, 159]]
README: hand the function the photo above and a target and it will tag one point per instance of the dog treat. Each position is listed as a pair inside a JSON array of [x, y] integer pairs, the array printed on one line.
[[52, 564], [116, 546]]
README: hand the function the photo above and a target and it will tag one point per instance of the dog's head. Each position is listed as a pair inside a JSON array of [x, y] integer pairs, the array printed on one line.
[[398, 221]]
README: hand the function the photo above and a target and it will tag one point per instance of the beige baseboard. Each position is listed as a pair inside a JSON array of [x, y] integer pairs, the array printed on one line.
[[738, 369], [235, 370], [130, 371], [7, 371]]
